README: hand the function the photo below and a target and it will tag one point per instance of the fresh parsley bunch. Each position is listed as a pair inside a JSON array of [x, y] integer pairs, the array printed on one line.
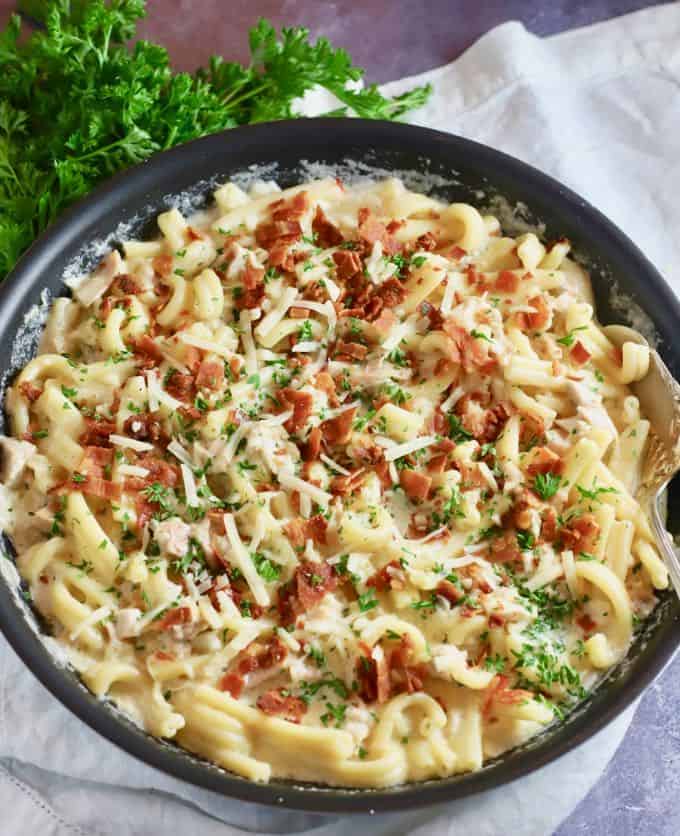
[[77, 103]]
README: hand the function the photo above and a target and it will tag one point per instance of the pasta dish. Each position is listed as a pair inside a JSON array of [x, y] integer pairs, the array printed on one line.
[[335, 483]]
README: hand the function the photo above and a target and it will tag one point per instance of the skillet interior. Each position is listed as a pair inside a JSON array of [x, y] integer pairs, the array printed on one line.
[[463, 171]]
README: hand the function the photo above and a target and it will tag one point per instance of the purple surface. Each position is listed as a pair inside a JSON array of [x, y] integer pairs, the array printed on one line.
[[638, 794]]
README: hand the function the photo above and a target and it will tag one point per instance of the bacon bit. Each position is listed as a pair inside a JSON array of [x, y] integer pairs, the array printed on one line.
[[326, 384], [280, 256], [164, 657], [278, 702], [347, 485], [253, 288], [292, 209], [544, 461], [298, 531], [298, 313], [352, 351], [301, 403], [535, 321], [97, 432], [391, 293], [455, 253], [373, 677], [504, 549], [449, 591], [581, 534], [313, 446], [371, 230], [434, 316], [506, 282], [496, 620], [259, 656], [426, 242], [125, 284], [29, 391], [210, 375], [144, 427], [180, 386], [579, 354], [268, 234], [159, 471], [437, 464], [145, 347], [382, 471], [549, 528], [95, 486], [475, 355], [498, 691], [586, 623], [338, 430], [416, 485], [531, 429], [175, 616], [617, 355], [162, 265], [95, 460], [232, 683], [405, 677], [348, 264], [525, 502], [391, 576], [310, 584], [327, 233], [471, 475]]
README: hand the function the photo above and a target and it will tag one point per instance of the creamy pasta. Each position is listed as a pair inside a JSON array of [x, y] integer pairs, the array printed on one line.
[[334, 484]]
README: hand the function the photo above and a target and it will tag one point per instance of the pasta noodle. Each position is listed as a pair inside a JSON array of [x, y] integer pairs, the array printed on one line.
[[334, 484]]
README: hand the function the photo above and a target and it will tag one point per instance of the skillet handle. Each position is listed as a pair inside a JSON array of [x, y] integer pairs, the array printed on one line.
[[664, 540]]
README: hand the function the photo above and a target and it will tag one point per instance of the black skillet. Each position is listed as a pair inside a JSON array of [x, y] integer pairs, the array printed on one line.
[[464, 171]]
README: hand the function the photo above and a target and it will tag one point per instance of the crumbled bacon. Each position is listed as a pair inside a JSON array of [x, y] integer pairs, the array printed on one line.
[[426, 242], [416, 485], [278, 702], [29, 391], [449, 591], [504, 549], [327, 233], [544, 461], [125, 284], [96, 460], [347, 263], [352, 351], [298, 531], [233, 684], [433, 314], [96, 432], [506, 282], [174, 617], [326, 384], [581, 533], [146, 426], [210, 375], [586, 623], [301, 403], [405, 677], [312, 447], [180, 386], [549, 527], [539, 319], [579, 353], [391, 576], [373, 678], [253, 290], [438, 463], [292, 209], [309, 585], [280, 255], [347, 485], [498, 691], [95, 486], [370, 230], [475, 355], [269, 234], [338, 430], [391, 293]]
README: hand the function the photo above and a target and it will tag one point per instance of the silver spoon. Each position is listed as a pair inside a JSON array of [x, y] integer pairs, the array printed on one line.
[[659, 396]]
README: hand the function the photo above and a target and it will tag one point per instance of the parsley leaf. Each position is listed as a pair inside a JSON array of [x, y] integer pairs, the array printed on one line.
[[546, 485]]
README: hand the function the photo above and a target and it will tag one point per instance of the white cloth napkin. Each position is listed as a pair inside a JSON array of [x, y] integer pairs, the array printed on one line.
[[599, 109]]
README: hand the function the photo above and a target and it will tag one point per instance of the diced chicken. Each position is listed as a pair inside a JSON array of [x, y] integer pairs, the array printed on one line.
[[127, 622], [173, 536], [14, 456]]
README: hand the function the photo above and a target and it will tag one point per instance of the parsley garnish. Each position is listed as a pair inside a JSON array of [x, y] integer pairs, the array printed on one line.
[[57, 146], [546, 485]]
